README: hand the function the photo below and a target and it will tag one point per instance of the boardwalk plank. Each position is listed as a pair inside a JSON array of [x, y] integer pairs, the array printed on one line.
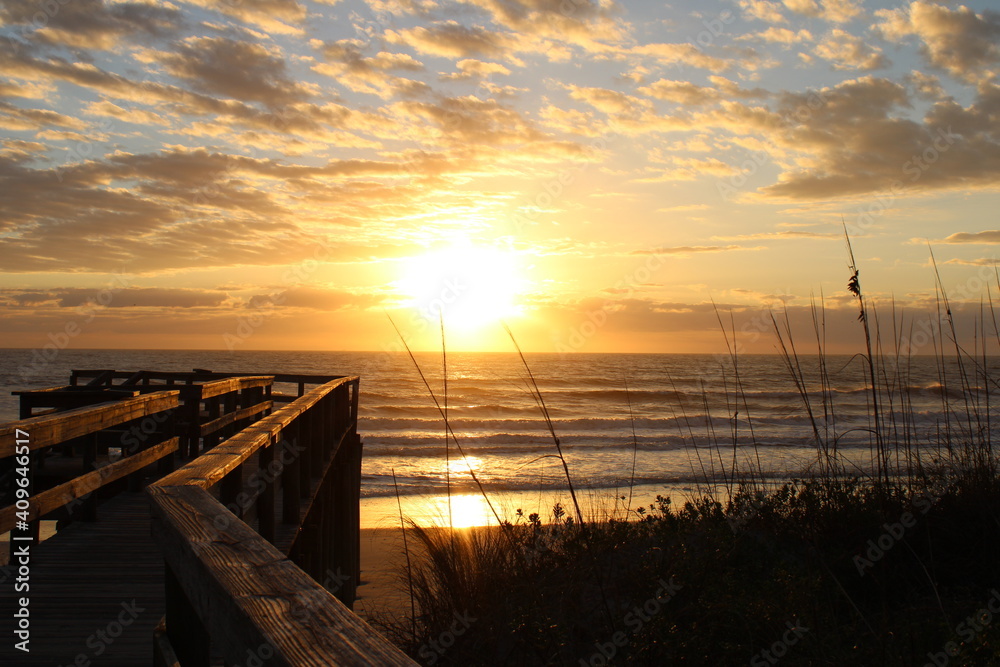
[[80, 580]]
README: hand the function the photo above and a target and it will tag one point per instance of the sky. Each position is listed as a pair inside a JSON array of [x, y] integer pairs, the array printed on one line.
[[600, 176]]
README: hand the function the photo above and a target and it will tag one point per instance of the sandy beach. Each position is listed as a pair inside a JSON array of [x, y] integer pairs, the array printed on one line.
[[381, 593]]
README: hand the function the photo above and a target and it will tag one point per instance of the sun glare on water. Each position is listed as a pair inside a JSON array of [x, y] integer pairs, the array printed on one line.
[[467, 510], [469, 286]]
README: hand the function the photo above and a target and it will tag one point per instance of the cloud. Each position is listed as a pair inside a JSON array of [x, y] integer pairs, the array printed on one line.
[[284, 127], [762, 10], [982, 261], [683, 54], [841, 11], [589, 24], [91, 24], [471, 68], [964, 43], [320, 298], [274, 16], [26, 90], [472, 121], [834, 11], [17, 151], [856, 142], [987, 236], [776, 35], [351, 68], [449, 39], [847, 51], [17, 118], [571, 121], [787, 234], [182, 208], [690, 250], [324, 121], [144, 297], [691, 95], [237, 69], [610, 101], [925, 86], [348, 52], [805, 7], [134, 116], [679, 168], [683, 208]]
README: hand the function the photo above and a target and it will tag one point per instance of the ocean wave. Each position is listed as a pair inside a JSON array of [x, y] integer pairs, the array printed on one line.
[[375, 485], [514, 444], [589, 423]]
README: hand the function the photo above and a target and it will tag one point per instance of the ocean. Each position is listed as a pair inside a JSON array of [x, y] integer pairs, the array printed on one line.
[[660, 422]]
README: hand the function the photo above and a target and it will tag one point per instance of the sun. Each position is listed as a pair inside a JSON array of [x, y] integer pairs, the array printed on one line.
[[468, 286]]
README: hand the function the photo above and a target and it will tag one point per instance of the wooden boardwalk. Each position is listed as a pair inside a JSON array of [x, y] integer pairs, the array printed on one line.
[[88, 582], [247, 553]]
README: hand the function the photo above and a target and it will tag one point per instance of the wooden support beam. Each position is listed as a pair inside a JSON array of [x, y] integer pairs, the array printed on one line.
[[102, 379], [225, 420]]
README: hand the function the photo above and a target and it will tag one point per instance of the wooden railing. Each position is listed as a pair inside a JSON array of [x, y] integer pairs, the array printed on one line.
[[107, 378], [150, 416], [249, 528], [213, 406]]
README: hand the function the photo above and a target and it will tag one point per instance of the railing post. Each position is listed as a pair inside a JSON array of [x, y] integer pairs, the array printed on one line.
[[291, 493], [345, 505], [187, 635], [356, 446], [307, 439], [192, 406], [166, 464], [231, 405], [346, 495], [265, 501], [229, 488], [319, 425], [212, 410]]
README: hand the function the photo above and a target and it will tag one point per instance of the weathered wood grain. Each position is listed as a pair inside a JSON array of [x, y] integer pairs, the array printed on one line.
[[229, 385], [49, 430], [250, 596]]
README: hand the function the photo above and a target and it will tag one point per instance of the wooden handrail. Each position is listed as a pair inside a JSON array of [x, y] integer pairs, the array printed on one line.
[[83, 425], [209, 468], [52, 499], [50, 430], [228, 584], [200, 375], [250, 596], [229, 385]]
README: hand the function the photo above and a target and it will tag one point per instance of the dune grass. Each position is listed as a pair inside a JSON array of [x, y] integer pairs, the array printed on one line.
[[893, 563]]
